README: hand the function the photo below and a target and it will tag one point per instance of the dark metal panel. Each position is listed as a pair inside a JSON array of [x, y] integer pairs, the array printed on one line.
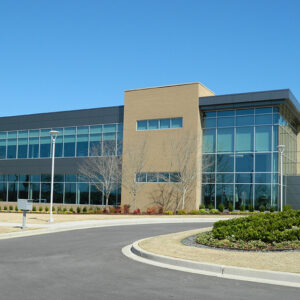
[[293, 191], [64, 119]]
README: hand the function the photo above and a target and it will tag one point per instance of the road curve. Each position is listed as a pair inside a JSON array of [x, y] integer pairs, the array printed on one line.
[[88, 264]]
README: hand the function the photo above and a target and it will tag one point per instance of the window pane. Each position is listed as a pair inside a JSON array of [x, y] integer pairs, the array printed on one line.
[[244, 163], [96, 196], [12, 192], [58, 193], [109, 128], [263, 119], [262, 162], [225, 178], [45, 192], [83, 193], [225, 140], [23, 190], [262, 177], [82, 145], [3, 190], [208, 163], [141, 177], [83, 130], [58, 146], [120, 127], [12, 134], [96, 129], [208, 194], [243, 195], [22, 148], [175, 177], [23, 134], [45, 132], [240, 112], [109, 136], [45, 147], [11, 148], [152, 124], [69, 130], [69, 146], [224, 194], [244, 177], [45, 177], [141, 125], [151, 177], [225, 163], [33, 148], [70, 193], [2, 148], [225, 113], [176, 123], [263, 138], [209, 114], [3, 135], [208, 177], [70, 178], [34, 133], [244, 120], [264, 110], [209, 123], [163, 177], [35, 178], [209, 140], [275, 138], [262, 195], [225, 122], [244, 139], [165, 123]]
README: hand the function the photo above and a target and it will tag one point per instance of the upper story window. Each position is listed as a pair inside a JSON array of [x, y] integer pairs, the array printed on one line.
[[159, 124]]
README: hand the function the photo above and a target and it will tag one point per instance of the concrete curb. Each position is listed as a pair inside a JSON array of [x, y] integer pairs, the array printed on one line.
[[229, 272]]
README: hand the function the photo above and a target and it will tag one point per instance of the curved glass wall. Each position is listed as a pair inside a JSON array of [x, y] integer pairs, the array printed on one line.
[[240, 156], [80, 141], [68, 189]]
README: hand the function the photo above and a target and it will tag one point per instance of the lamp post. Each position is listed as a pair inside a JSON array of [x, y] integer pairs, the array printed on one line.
[[281, 149], [53, 134]]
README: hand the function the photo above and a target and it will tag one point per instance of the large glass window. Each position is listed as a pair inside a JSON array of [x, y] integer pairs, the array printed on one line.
[[82, 145], [22, 148], [59, 146], [244, 163], [69, 145], [225, 163], [209, 140], [244, 139], [263, 138], [46, 146], [2, 149], [33, 147], [243, 195], [3, 190], [224, 194], [208, 195], [11, 148], [262, 196], [263, 162], [95, 145], [83, 193], [225, 139], [96, 196]]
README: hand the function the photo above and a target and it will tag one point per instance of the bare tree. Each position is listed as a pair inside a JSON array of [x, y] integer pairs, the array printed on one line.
[[104, 172], [184, 159], [135, 160]]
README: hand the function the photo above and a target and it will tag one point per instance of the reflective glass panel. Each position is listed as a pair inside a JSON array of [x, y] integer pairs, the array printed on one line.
[[244, 177], [58, 193], [225, 139], [152, 124], [225, 113], [208, 195], [262, 177], [209, 123], [263, 110], [2, 148], [208, 163], [141, 177], [225, 163], [45, 146], [82, 145], [45, 192], [244, 139], [176, 123], [69, 130], [208, 177], [243, 195], [209, 140], [224, 194], [69, 146], [142, 125], [244, 163], [244, 120], [83, 193], [249, 111], [11, 148], [225, 122], [165, 123], [263, 162], [23, 134], [225, 178], [96, 196], [34, 191], [152, 177], [263, 119], [263, 138], [96, 129], [12, 134], [70, 193], [58, 146], [209, 114], [22, 148], [3, 191], [12, 192], [83, 130], [262, 196], [109, 128], [33, 147]]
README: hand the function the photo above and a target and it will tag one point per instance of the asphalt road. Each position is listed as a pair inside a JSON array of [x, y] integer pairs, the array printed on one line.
[[88, 264]]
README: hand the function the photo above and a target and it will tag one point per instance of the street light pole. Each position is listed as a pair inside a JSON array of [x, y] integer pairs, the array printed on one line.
[[53, 134], [281, 149]]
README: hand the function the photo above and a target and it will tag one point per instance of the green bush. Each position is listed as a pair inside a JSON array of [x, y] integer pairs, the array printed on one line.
[[214, 211], [84, 210], [182, 212], [202, 206], [40, 208], [262, 208], [11, 208], [279, 227], [203, 212], [65, 210], [250, 208], [168, 212], [53, 209], [71, 210], [194, 212], [272, 209], [286, 207], [221, 207], [46, 208], [16, 208], [5, 207], [210, 207], [78, 209], [59, 210], [242, 207], [230, 206], [33, 208]]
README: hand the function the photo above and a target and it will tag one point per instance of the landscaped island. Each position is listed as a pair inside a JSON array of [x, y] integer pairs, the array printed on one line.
[[265, 231]]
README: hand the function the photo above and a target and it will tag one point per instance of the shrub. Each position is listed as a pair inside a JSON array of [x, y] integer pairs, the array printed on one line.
[[71, 210], [40, 209], [46, 208], [203, 212], [221, 207], [91, 211], [11, 208], [279, 227], [53, 209], [194, 212], [286, 207], [84, 210], [126, 208], [105, 210], [118, 210], [250, 208], [99, 210], [33, 208], [272, 209], [242, 207], [59, 210], [182, 212], [210, 207], [202, 206], [5, 207], [230, 206], [65, 210], [168, 212], [262, 208], [136, 211], [78, 209], [16, 208], [154, 210], [112, 210], [214, 211]]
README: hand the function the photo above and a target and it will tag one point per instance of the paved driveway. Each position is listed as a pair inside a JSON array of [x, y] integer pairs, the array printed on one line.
[[88, 264]]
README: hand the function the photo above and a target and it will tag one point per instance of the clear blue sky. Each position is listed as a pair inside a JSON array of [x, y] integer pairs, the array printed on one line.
[[72, 54]]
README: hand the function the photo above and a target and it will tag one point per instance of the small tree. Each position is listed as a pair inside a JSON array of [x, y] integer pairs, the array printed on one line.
[[102, 171], [135, 160]]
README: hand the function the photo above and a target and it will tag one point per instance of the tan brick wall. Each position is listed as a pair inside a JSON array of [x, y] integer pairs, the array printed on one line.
[[156, 103]]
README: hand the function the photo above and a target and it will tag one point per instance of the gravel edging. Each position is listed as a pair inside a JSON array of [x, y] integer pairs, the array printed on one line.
[[190, 241]]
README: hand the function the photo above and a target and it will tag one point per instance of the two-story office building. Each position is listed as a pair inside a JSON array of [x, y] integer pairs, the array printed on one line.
[[234, 149]]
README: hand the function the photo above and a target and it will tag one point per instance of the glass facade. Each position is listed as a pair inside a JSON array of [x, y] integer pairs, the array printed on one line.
[[159, 124], [158, 177], [80, 141], [68, 189], [240, 156]]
